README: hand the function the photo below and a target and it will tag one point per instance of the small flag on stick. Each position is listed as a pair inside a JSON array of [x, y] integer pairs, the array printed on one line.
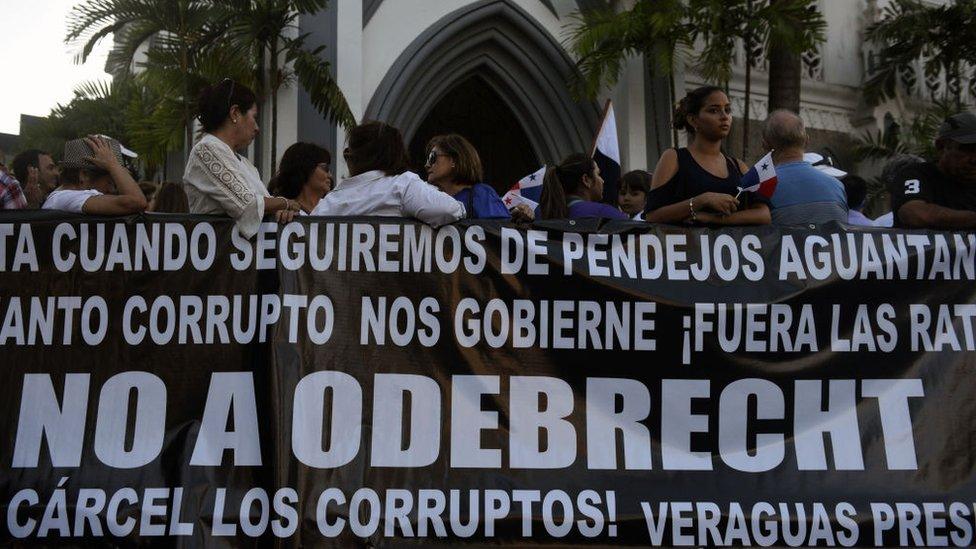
[[513, 199], [530, 186], [761, 178]]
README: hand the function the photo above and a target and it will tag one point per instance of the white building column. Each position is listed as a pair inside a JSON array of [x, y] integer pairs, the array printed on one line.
[[349, 69]]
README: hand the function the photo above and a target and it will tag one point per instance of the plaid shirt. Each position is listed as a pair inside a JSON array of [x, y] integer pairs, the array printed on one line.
[[11, 195]]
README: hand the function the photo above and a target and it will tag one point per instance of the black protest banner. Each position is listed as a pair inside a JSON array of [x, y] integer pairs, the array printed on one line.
[[344, 381]]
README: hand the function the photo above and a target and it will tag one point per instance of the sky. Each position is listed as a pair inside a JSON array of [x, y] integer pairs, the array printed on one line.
[[38, 68]]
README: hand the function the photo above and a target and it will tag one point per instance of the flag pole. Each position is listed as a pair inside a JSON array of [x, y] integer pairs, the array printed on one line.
[[599, 129]]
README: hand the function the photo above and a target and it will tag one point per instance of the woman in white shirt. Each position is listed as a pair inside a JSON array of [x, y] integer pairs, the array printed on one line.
[[217, 180], [91, 175], [379, 183]]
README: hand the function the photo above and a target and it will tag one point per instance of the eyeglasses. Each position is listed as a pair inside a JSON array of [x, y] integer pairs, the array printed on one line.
[[432, 157]]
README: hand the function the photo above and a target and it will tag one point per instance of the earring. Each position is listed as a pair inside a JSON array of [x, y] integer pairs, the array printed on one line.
[[235, 121]]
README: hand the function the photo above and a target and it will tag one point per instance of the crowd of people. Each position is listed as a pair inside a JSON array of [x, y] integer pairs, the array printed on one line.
[[699, 184]]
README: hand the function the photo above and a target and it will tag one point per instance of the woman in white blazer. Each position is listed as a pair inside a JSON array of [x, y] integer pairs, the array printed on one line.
[[379, 183]]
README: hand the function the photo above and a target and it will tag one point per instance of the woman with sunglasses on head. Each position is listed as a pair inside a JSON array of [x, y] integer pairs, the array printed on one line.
[[380, 184], [573, 189], [217, 179], [454, 167], [699, 184], [303, 175]]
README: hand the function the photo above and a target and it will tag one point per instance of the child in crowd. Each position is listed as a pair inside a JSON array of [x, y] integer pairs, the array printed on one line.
[[632, 197]]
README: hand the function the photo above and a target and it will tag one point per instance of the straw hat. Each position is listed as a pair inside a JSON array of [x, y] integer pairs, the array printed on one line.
[[77, 152]]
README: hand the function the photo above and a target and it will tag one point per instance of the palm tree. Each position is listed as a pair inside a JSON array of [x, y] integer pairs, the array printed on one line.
[[98, 107], [761, 26], [157, 115], [266, 30], [602, 39], [720, 25], [916, 137], [178, 31], [258, 46], [795, 26], [943, 37]]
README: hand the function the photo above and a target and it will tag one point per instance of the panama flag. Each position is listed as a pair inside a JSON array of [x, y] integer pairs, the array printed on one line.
[[606, 154], [528, 188], [761, 178]]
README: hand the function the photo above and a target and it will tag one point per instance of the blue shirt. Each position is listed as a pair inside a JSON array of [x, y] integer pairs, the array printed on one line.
[[579, 209], [805, 194], [482, 202]]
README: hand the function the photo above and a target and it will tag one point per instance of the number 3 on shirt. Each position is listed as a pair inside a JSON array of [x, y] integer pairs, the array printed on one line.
[[912, 186]]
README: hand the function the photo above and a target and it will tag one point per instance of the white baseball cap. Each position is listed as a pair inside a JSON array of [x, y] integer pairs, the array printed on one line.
[[821, 164]]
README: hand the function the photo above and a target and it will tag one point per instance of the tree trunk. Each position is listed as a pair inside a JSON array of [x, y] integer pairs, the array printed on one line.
[[785, 72], [747, 99], [656, 103], [262, 92], [746, 115], [671, 101], [275, 82], [187, 106]]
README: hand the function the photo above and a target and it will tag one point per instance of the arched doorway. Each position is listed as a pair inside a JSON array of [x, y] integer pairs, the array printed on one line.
[[503, 82], [474, 110]]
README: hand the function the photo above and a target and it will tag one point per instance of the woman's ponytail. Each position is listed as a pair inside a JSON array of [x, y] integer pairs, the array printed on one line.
[[552, 203], [561, 181]]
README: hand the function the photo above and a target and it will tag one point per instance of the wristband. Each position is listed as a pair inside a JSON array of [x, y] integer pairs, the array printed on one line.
[[691, 206]]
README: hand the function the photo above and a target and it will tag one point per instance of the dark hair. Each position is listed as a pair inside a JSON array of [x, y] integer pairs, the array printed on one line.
[[639, 180], [214, 102], [72, 176], [692, 104], [148, 189], [297, 164], [30, 157], [171, 198], [376, 145], [467, 163], [857, 190], [563, 180]]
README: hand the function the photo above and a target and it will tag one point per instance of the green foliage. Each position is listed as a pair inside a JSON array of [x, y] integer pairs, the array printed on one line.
[[916, 138], [943, 37], [660, 30], [602, 39], [97, 108], [265, 31], [179, 46]]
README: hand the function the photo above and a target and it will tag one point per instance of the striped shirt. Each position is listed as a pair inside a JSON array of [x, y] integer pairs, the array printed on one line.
[[11, 195]]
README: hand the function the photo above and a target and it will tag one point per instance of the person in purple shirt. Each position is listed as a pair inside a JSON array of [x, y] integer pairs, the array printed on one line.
[[572, 190], [453, 166]]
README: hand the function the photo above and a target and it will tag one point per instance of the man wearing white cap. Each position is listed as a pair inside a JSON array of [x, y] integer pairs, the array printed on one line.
[[940, 194]]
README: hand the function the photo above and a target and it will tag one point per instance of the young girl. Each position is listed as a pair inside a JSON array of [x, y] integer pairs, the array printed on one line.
[[572, 190], [699, 184], [632, 198]]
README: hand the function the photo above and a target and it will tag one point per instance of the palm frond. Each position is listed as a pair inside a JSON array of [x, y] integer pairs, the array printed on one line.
[[315, 75]]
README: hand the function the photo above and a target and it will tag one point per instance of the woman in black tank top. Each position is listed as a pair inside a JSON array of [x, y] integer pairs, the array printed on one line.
[[699, 184]]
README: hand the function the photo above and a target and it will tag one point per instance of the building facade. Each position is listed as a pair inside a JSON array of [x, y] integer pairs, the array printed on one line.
[[497, 71]]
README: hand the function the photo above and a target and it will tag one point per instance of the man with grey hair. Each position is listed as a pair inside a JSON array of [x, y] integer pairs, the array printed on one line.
[[803, 193]]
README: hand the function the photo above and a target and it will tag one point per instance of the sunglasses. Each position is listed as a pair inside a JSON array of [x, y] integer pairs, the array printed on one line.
[[432, 157]]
